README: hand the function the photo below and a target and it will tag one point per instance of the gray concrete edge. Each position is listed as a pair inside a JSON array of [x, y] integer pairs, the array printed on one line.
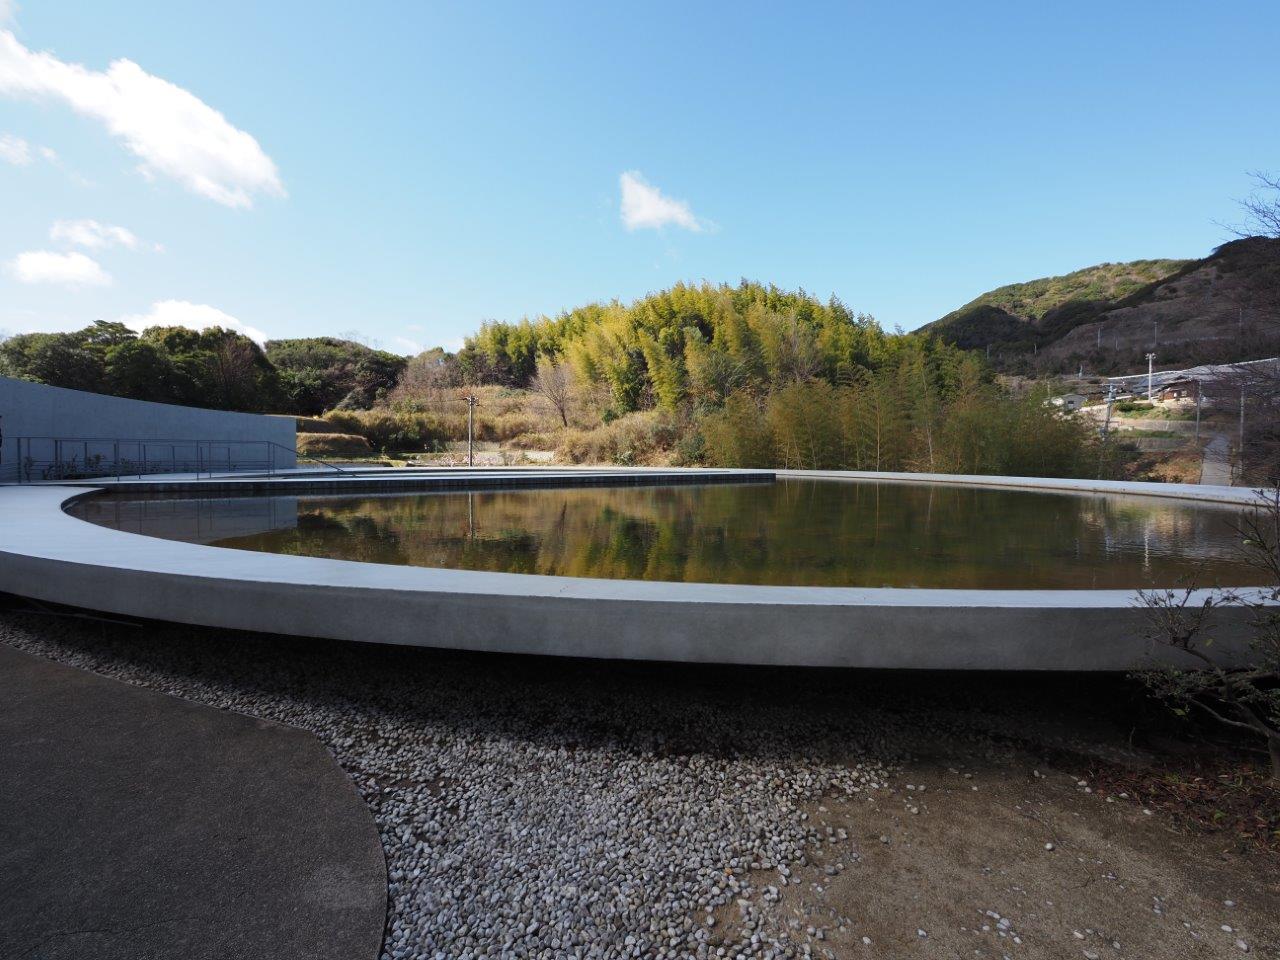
[[1129, 488], [52, 556]]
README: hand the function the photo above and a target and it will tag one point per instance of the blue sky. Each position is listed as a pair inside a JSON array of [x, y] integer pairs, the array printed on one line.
[[406, 171]]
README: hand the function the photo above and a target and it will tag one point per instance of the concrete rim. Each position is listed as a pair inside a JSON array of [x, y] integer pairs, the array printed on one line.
[[53, 556]]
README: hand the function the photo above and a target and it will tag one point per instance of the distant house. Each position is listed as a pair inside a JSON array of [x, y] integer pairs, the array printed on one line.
[[1185, 389], [1069, 401]]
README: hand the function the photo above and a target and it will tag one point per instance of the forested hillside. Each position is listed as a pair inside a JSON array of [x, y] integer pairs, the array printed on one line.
[[696, 343], [751, 375], [746, 375], [215, 368], [1106, 318], [1015, 314], [325, 373]]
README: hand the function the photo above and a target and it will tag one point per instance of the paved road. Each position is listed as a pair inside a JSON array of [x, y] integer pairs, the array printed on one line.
[[1215, 469], [136, 825]]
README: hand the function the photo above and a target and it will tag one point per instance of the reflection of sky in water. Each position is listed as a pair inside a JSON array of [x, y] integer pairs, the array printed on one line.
[[791, 532]]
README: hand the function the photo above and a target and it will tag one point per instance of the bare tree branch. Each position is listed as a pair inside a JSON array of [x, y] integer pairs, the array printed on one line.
[[555, 383], [1243, 697]]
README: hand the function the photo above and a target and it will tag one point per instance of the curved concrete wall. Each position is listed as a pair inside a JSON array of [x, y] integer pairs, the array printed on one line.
[[37, 410], [47, 554], [1129, 488]]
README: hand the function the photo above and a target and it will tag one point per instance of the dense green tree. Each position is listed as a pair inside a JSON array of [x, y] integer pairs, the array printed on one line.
[[806, 434], [239, 375], [748, 335], [738, 434], [881, 422], [323, 373], [140, 369], [58, 359], [214, 368], [664, 363], [712, 374], [102, 335]]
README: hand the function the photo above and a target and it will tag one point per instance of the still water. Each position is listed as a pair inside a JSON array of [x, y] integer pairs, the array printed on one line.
[[798, 532]]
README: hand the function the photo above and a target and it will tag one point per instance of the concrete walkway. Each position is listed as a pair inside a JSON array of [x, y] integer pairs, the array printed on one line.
[[136, 825], [1215, 468]]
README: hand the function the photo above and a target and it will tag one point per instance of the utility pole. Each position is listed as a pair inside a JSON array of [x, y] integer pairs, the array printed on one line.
[[1151, 359], [1106, 426], [471, 400], [1241, 441], [1199, 393], [1155, 333]]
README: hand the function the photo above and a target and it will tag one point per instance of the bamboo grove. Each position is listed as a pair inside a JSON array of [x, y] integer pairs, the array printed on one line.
[[751, 375]]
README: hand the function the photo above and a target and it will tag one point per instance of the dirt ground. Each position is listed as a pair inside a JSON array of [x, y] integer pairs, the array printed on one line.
[[1002, 855]]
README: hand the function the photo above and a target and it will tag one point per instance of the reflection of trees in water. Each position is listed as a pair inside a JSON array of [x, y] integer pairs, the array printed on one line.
[[363, 536], [784, 533]]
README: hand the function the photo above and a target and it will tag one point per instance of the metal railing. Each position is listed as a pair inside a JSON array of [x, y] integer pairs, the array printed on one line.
[[308, 457], [54, 459]]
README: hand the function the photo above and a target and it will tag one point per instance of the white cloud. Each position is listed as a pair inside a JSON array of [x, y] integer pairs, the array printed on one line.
[[14, 150], [20, 152], [71, 269], [8, 10], [92, 234], [644, 206], [172, 131], [195, 316], [410, 347]]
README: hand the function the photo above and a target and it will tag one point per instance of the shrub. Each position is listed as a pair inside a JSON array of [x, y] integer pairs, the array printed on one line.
[[505, 426], [806, 434], [1132, 406], [333, 444], [739, 434], [1239, 689], [387, 430], [502, 414], [312, 425], [534, 441], [645, 436]]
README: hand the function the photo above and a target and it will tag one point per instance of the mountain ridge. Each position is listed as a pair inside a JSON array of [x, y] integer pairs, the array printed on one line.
[[1109, 315]]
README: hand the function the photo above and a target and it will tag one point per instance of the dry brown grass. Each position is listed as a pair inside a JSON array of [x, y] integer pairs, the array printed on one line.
[[307, 424], [1176, 466], [503, 414], [643, 437], [333, 444]]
